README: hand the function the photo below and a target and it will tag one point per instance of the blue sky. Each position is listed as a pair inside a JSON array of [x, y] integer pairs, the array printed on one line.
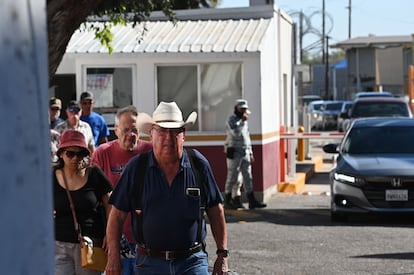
[[378, 17]]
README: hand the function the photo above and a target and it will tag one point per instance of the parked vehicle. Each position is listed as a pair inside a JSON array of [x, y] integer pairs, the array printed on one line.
[[376, 107], [328, 115], [373, 94], [346, 105], [314, 111], [374, 171]]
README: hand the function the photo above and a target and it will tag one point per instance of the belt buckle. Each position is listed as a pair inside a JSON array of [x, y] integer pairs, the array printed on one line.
[[169, 255]]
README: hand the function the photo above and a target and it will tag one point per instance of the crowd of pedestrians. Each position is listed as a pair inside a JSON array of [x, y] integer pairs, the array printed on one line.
[[143, 201]]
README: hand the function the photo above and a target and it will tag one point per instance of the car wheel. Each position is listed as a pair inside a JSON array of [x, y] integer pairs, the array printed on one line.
[[336, 217]]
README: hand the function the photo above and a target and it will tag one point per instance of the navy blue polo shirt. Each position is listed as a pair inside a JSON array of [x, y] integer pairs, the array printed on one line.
[[170, 213]]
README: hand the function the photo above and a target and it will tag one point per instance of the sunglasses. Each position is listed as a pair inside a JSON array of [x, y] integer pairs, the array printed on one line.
[[166, 131], [79, 154], [74, 110]]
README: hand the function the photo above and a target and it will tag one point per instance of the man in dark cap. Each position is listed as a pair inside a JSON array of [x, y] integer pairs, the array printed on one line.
[[96, 121], [55, 105], [239, 157]]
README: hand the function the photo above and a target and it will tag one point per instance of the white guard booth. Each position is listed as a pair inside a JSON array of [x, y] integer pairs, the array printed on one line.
[[204, 62]]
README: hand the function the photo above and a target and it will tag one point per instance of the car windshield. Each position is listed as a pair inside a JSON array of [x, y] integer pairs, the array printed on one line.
[[380, 140], [382, 109], [316, 106], [333, 106]]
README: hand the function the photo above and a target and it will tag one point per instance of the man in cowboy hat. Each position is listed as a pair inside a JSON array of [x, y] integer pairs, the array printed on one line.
[[168, 224]]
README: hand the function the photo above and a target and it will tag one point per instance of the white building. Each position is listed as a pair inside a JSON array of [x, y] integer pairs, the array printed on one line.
[[209, 58]]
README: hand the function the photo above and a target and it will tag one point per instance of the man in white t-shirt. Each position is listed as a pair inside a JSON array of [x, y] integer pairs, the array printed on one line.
[[73, 112]]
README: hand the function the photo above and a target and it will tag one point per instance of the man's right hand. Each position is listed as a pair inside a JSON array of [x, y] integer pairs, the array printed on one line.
[[113, 267]]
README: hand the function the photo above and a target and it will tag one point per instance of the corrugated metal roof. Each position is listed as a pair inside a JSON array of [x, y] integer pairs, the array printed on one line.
[[375, 41], [243, 35]]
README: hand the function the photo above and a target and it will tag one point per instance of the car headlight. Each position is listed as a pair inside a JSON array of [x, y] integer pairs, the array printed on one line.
[[348, 179]]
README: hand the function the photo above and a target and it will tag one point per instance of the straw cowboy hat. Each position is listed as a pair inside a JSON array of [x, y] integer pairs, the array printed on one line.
[[166, 115]]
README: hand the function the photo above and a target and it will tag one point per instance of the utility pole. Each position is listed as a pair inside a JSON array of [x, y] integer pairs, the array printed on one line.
[[327, 69], [349, 18], [323, 31], [301, 37]]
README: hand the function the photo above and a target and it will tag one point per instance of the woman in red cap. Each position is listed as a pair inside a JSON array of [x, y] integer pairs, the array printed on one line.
[[89, 189]]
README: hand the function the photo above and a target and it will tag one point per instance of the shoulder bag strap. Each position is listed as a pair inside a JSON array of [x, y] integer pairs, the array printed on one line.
[[72, 206], [195, 166], [137, 222]]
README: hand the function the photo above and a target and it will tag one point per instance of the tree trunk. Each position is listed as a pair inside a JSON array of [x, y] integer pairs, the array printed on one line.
[[63, 18]]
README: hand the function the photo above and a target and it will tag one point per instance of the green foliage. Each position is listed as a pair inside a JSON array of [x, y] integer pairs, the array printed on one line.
[[104, 35], [120, 12]]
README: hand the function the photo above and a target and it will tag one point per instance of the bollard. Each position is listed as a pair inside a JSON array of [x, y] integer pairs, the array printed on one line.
[[282, 167], [301, 145], [308, 128]]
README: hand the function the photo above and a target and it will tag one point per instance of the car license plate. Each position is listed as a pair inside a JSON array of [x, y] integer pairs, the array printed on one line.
[[396, 195]]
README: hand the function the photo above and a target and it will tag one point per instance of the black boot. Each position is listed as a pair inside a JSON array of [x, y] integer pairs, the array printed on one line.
[[253, 203], [237, 203], [228, 202]]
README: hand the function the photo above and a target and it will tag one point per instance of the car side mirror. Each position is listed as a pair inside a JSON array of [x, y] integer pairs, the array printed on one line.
[[331, 148]]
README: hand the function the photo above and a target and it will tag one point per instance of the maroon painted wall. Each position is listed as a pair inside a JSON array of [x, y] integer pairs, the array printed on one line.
[[265, 168]]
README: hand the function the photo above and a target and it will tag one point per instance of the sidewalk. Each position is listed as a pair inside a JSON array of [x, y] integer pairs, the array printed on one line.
[[318, 180], [314, 194], [311, 176]]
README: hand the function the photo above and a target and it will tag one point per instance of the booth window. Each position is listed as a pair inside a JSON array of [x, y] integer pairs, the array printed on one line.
[[209, 89], [111, 87]]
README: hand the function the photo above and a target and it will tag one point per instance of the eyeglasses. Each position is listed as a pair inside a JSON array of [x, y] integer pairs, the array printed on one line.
[[79, 154], [74, 110], [165, 131]]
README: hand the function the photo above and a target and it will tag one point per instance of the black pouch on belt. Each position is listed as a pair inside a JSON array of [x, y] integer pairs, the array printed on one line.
[[230, 152]]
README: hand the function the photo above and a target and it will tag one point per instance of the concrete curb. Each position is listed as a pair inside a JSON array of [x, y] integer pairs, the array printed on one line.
[[305, 170]]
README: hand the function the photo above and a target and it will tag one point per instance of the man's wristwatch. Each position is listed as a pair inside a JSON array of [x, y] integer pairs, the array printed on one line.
[[223, 252]]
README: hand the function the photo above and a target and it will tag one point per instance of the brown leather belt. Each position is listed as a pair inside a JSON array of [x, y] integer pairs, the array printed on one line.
[[168, 254]]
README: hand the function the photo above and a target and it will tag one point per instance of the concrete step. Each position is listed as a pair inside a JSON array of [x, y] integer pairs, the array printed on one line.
[[314, 171]]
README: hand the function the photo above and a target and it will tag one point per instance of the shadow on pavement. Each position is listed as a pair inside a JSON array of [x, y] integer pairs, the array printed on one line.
[[315, 217], [319, 178], [394, 256]]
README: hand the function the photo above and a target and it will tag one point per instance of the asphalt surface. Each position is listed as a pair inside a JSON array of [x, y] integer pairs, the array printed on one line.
[[295, 235], [254, 236]]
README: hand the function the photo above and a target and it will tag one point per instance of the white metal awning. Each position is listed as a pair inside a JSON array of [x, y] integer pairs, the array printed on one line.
[[229, 35]]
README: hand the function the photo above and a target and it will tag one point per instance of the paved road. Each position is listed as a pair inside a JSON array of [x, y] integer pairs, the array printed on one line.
[[294, 235]]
